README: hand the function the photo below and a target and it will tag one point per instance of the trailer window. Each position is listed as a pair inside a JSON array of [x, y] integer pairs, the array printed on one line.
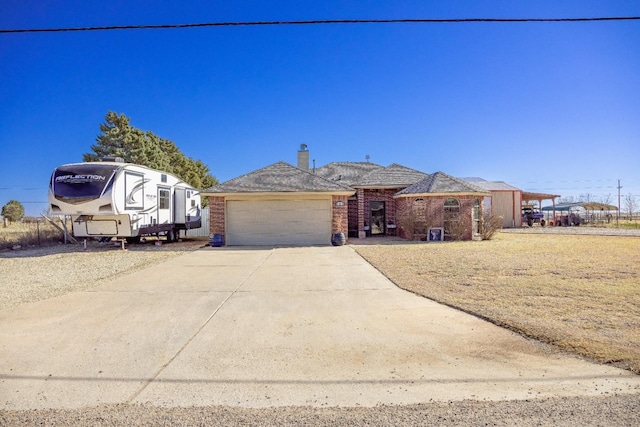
[[81, 182], [163, 195], [134, 190]]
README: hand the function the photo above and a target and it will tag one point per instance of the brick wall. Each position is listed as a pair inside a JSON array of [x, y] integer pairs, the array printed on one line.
[[415, 215], [216, 215], [340, 214], [376, 195], [352, 206]]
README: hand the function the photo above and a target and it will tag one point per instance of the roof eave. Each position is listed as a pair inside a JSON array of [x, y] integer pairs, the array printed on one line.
[[463, 193], [382, 187], [243, 194]]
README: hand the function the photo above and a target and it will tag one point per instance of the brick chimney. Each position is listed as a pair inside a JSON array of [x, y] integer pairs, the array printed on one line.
[[303, 157]]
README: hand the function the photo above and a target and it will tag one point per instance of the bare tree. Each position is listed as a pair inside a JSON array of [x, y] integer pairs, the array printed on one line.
[[630, 204], [566, 199], [606, 199], [586, 198], [414, 220], [491, 223]]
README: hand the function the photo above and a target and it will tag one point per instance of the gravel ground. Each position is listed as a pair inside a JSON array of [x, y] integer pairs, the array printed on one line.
[[609, 411], [38, 273], [31, 275]]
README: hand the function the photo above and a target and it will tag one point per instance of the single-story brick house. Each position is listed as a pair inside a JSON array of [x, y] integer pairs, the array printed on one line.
[[282, 204]]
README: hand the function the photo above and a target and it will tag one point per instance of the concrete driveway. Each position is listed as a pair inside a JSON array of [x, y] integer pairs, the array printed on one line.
[[269, 327]]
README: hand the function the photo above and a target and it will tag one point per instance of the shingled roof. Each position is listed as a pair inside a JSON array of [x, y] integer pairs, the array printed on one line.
[[491, 185], [279, 177], [393, 176], [441, 183], [347, 173]]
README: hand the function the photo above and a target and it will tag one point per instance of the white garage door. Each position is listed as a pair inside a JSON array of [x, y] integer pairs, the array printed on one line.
[[279, 222]]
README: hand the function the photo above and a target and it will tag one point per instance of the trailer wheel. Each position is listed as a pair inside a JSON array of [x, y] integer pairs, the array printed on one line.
[[543, 222], [172, 236], [530, 222]]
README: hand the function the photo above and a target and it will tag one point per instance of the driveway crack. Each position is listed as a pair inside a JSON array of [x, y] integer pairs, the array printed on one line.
[[197, 332]]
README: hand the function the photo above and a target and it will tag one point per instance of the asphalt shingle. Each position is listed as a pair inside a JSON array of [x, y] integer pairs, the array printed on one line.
[[393, 176], [347, 173], [493, 185], [440, 182], [276, 178]]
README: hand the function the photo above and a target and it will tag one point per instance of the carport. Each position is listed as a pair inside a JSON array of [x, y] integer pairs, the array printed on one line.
[[528, 197], [594, 211]]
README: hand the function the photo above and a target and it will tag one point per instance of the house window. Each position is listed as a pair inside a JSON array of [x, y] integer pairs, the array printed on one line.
[[451, 216], [420, 218], [163, 202]]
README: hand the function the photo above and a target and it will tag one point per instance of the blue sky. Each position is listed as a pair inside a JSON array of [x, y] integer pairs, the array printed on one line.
[[549, 107]]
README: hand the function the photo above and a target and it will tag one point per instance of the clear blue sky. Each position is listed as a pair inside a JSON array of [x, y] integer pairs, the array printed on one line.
[[549, 107]]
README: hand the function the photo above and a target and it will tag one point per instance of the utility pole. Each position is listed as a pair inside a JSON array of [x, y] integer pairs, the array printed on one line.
[[618, 216]]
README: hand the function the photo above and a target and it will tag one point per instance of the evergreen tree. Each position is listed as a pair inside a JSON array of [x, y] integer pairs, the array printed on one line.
[[118, 138]]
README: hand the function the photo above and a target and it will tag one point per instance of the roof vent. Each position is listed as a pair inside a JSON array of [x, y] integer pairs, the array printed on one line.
[[113, 159]]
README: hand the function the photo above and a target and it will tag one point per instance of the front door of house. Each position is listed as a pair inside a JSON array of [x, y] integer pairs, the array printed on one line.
[[377, 218]]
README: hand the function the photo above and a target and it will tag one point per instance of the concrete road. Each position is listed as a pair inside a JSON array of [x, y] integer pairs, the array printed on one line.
[[262, 327]]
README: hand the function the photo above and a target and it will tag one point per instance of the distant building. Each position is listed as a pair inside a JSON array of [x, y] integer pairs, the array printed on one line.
[[505, 201]]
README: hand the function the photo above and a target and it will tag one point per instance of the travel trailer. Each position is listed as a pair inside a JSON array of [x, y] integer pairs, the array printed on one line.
[[123, 200]]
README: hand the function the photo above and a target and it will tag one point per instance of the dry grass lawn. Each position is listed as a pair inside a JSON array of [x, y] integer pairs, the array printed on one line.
[[580, 293], [28, 234]]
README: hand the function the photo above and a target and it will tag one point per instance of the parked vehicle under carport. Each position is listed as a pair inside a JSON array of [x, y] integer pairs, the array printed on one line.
[[532, 215]]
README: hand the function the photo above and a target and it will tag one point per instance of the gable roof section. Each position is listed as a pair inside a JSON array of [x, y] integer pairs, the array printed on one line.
[[441, 183], [347, 173], [279, 177], [393, 176]]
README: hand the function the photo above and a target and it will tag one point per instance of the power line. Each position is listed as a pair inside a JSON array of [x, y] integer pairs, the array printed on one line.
[[318, 22], [24, 188]]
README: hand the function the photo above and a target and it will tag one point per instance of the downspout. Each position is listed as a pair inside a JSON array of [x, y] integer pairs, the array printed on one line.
[[513, 208]]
